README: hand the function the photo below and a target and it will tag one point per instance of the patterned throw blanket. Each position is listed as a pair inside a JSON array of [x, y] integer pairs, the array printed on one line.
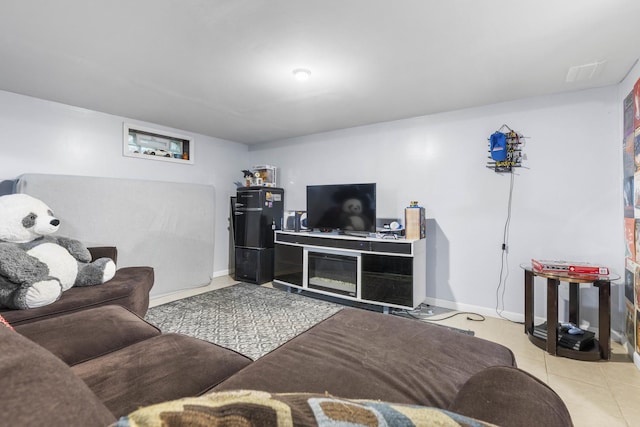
[[257, 408]]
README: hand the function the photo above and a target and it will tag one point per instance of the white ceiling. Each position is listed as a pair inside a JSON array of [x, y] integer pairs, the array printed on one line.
[[224, 67]]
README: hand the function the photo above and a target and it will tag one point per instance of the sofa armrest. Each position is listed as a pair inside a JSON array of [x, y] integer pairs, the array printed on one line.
[[508, 396], [38, 389], [104, 252]]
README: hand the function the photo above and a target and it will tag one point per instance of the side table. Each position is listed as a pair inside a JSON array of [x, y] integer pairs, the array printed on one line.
[[601, 349]]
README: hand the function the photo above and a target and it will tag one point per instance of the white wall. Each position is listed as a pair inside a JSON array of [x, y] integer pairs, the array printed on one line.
[[626, 85], [38, 136], [567, 200]]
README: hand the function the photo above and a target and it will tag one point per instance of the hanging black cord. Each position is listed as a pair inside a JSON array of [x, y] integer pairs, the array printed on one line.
[[457, 313], [504, 256], [468, 313]]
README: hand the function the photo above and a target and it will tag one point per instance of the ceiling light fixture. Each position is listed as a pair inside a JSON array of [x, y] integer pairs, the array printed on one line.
[[301, 74]]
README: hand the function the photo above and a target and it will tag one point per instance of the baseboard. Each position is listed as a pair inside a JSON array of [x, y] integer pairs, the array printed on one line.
[[218, 282], [618, 336], [220, 273], [516, 317]]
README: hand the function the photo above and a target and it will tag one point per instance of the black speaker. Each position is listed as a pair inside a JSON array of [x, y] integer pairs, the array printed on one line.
[[254, 265]]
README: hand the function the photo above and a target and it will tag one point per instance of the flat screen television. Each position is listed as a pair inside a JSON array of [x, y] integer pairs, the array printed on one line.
[[344, 207]]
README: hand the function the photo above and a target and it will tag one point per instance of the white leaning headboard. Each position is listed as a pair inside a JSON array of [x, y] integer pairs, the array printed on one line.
[[166, 225]]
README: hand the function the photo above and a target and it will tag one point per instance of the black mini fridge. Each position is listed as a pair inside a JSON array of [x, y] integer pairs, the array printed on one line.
[[258, 214]]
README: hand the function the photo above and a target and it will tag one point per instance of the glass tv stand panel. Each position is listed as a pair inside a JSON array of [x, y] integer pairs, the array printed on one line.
[[333, 272]]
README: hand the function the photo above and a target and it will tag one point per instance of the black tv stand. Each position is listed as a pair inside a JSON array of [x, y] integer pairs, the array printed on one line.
[[373, 270]]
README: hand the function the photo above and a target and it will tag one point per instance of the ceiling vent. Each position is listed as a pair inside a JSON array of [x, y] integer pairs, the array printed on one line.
[[586, 72]]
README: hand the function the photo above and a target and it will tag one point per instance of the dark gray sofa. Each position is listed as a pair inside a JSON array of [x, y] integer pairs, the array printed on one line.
[[91, 367]]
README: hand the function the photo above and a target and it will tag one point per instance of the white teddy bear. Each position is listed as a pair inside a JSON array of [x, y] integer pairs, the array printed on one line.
[[35, 267]]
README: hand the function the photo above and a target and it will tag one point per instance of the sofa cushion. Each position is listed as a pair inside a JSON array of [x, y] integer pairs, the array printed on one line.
[[360, 354], [164, 367], [258, 408], [84, 335], [129, 288], [509, 396], [38, 389]]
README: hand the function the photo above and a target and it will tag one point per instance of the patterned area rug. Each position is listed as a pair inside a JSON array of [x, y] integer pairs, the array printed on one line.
[[250, 319]]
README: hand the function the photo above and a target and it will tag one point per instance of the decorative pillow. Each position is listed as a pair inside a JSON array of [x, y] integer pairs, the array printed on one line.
[[258, 408], [5, 323]]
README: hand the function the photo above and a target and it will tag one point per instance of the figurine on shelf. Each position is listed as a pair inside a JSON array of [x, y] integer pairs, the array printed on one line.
[[248, 177]]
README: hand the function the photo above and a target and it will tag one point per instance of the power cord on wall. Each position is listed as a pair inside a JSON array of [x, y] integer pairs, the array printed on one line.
[[468, 313], [504, 257], [426, 317]]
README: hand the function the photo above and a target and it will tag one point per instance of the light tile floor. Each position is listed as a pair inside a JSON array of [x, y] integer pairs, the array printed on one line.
[[604, 393]]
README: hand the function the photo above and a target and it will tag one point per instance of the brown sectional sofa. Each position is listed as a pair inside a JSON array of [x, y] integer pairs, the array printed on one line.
[[90, 358], [91, 367], [359, 354], [365, 355], [129, 288]]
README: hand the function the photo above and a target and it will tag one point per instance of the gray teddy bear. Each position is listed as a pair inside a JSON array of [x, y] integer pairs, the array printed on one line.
[[36, 267]]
